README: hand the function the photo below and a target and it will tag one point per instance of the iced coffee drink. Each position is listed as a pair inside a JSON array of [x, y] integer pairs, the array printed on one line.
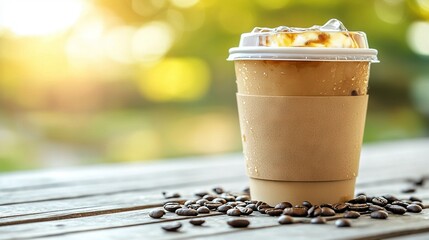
[[302, 99]]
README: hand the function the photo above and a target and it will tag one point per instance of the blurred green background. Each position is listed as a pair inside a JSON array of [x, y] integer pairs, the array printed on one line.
[[83, 82]]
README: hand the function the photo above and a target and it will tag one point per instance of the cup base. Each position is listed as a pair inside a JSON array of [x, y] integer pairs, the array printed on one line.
[[273, 192]]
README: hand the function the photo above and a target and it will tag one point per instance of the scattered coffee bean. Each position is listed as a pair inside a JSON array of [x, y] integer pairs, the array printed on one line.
[[373, 208], [283, 205], [203, 210], [369, 199], [201, 193], [414, 208], [390, 198], [233, 212], [274, 211], [245, 210], [194, 206], [224, 208], [240, 204], [396, 209], [218, 190], [170, 195], [186, 212], [343, 223], [359, 207], [415, 199], [156, 213], [420, 182], [379, 214], [358, 199], [296, 211], [171, 227], [242, 198], [314, 211], [252, 206], [318, 220], [380, 201], [328, 205], [408, 190], [418, 203], [202, 201], [229, 198], [340, 207], [327, 212], [172, 207], [209, 197], [238, 223], [219, 200], [197, 222], [189, 202], [400, 203], [212, 206], [351, 214], [284, 219], [246, 190], [232, 204], [307, 204]]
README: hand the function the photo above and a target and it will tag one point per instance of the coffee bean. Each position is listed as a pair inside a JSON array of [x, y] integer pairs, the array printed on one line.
[[327, 212], [201, 193], [172, 207], [307, 204], [219, 200], [414, 208], [197, 222], [314, 211], [296, 211], [408, 190], [259, 203], [274, 211], [246, 190], [224, 208], [233, 212], [232, 204], [318, 220], [156, 213], [328, 205], [396, 209], [400, 203], [252, 206], [390, 198], [186, 212], [242, 198], [351, 214], [202, 201], [194, 206], [189, 202], [379, 214], [340, 207], [203, 210], [380, 201], [229, 198], [240, 204], [238, 223], [171, 227], [283, 205], [369, 199], [209, 197], [212, 206], [373, 208], [419, 203], [420, 182], [415, 199], [170, 195], [359, 207], [245, 210], [284, 219], [218, 190], [343, 223], [262, 208], [358, 199]]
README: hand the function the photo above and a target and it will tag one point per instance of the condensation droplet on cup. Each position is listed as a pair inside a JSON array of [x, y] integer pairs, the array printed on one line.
[[256, 170], [335, 89], [244, 138], [353, 78], [265, 74]]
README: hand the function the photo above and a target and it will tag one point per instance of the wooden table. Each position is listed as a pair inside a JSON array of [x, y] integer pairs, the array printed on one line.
[[113, 201]]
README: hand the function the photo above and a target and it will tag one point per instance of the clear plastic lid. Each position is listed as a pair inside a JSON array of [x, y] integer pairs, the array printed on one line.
[[330, 42]]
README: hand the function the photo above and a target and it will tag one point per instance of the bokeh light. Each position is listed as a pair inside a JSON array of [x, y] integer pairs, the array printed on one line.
[[418, 37]]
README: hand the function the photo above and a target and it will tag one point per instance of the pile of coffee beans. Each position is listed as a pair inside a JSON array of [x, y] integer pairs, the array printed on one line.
[[236, 205]]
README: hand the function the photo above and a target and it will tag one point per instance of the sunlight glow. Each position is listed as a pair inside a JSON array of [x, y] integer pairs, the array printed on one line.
[[42, 17]]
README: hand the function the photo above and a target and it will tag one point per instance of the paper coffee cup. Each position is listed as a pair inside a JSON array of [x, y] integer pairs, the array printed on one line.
[[302, 114]]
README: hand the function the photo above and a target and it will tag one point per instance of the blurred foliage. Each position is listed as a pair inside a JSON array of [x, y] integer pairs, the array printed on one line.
[[92, 81]]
